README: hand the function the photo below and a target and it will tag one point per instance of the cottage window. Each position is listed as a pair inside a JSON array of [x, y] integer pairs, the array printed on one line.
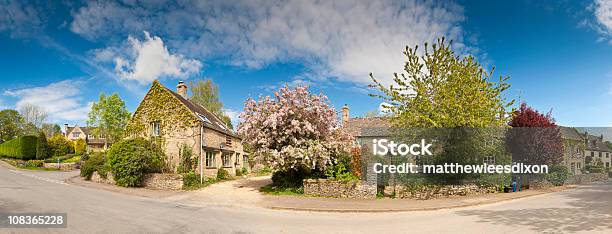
[[203, 118], [90, 136], [489, 160], [592, 153], [245, 160], [227, 160], [76, 134], [155, 129], [101, 136], [237, 161], [210, 159]]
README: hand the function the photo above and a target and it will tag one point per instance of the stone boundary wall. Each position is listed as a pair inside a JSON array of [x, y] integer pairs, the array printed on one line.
[[586, 178], [151, 181], [63, 166], [95, 177], [163, 181], [427, 192], [339, 189]]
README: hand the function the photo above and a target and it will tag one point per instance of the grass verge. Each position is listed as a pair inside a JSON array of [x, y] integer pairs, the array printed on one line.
[[273, 190]]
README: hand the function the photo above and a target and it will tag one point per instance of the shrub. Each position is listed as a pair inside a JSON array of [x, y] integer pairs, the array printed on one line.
[[191, 180], [130, 159], [292, 178], [238, 172], [95, 163], [557, 175], [222, 174], [595, 169], [80, 146], [60, 145], [42, 147], [33, 163], [245, 171], [22, 148], [341, 170]]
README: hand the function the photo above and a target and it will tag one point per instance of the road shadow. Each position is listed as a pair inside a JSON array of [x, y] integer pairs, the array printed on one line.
[[588, 208]]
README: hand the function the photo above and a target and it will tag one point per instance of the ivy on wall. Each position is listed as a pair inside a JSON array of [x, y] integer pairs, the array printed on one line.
[[159, 105]]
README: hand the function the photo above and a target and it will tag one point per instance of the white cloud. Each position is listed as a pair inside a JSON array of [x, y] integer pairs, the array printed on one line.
[[149, 60], [18, 19], [383, 108], [342, 39], [234, 116], [61, 100], [603, 13]]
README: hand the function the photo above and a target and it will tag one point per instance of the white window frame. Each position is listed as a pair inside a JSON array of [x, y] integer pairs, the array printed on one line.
[[488, 159], [226, 160], [210, 159], [155, 129]]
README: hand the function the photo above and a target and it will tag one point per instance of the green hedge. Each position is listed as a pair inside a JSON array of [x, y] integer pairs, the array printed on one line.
[[22, 148]]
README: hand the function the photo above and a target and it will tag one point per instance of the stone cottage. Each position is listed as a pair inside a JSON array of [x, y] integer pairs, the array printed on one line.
[[94, 142], [173, 120]]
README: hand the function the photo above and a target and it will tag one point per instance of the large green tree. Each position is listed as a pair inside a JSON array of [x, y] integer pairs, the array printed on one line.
[[206, 93], [11, 124], [109, 116], [51, 129], [444, 90], [447, 97]]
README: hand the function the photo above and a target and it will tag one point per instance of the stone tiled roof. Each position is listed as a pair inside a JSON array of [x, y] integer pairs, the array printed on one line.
[[374, 126], [214, 122], [570, 133], [595, 143]]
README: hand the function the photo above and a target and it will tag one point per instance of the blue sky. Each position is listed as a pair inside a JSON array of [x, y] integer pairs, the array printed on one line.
[[62, 55]]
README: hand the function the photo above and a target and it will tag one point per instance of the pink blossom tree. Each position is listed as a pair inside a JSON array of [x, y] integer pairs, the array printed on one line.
[[293, 130]]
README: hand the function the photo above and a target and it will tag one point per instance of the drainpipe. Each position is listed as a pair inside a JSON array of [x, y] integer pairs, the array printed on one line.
[[201, 166]]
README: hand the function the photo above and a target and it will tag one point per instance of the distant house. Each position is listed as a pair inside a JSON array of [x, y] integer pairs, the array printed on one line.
[[94, 142], [596, 150], [173, 120]]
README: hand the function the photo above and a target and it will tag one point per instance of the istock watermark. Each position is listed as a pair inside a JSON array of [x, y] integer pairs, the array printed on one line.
[[383, 147], [456, 168]]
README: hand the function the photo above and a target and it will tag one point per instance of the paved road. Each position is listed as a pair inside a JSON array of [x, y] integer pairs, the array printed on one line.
[[586, 209]]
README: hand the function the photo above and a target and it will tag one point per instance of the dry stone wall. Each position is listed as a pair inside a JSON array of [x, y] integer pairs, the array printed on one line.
[[339, 189]]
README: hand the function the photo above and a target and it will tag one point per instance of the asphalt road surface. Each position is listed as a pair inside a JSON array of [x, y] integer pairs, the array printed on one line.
[[585, 209]]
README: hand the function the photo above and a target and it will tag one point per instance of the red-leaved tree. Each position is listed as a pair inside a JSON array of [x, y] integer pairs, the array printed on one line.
[[534, 137]]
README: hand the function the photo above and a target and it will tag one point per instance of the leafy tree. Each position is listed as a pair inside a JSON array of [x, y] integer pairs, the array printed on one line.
[[293, 131], [11, 124], [206, 93], [443, 90], [534, 137], [51, 130], [80, 146], [33, 114], [60, 146], [110, 116], [43, 150]]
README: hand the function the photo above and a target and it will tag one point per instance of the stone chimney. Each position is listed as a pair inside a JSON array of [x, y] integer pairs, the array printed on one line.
[[181, 89], [345, 113], [65, 129]]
